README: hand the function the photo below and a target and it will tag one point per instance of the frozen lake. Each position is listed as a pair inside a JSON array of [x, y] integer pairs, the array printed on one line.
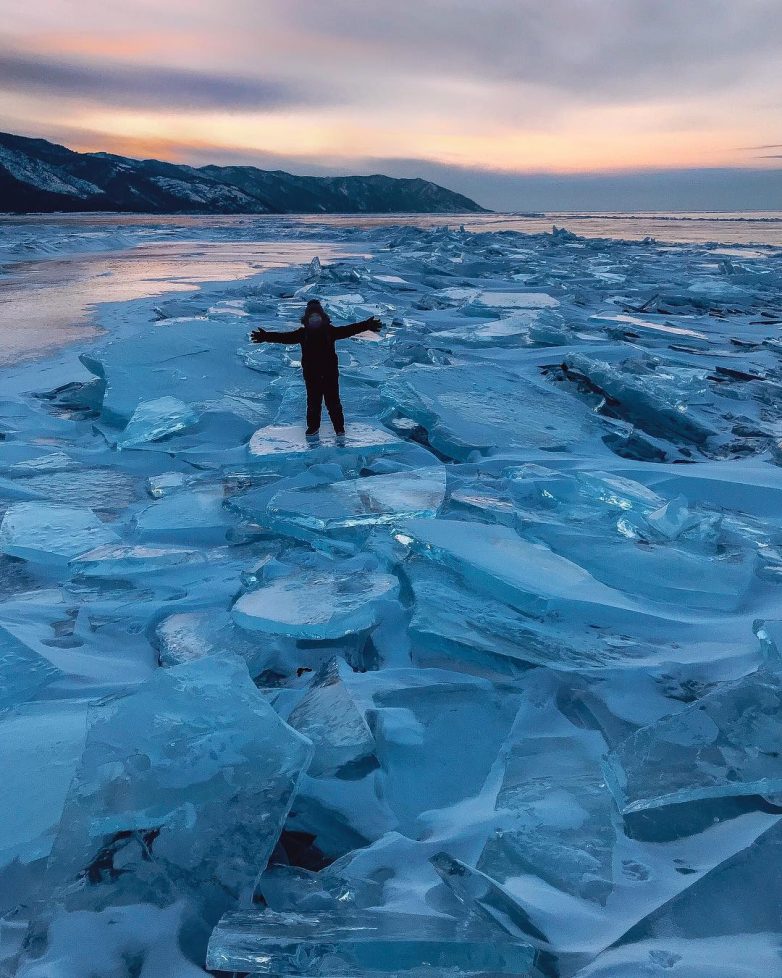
[[45, 303], [93, 259], [494, 679]]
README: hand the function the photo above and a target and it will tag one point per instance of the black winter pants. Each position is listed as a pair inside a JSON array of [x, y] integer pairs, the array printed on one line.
[[324, 387]]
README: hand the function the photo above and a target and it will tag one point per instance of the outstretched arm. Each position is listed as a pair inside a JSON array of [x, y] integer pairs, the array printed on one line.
[[343, 332], [262, 335]]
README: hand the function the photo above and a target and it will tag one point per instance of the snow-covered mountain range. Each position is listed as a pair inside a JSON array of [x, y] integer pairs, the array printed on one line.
[[36, 175]]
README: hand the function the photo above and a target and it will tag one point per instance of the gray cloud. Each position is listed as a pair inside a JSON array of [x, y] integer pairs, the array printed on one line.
[[611, 50], [137, 85]]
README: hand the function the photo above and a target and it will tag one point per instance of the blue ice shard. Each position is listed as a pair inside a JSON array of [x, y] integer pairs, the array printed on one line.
[[725, 744], [329, 716], [654, 400], [560, 817], [415, 730], [484, 896], [357, 503], [183, 788], [188, 517], [364, 944], [188, 635], [40, 748], [156, 419], [492, 638], [498, 560], [316, 604], [22, 670], [124, 561], [49, 533], [465, 410]]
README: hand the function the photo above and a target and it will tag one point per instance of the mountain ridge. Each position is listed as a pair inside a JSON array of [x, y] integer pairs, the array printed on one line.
[[40, 176]]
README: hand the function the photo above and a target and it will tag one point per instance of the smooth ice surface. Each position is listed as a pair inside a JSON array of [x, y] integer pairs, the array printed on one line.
[[289, 441], [49, 533], [363, 945], [725, 744], [183, 785], [742, 956], [318, 604], [197, 517]]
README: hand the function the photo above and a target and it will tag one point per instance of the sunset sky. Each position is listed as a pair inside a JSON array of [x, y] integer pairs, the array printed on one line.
[[518, 103]]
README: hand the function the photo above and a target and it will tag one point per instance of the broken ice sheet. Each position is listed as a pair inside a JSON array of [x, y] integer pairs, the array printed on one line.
[[49, 533], [491, 638], [465, 410], [363, 502], [364, 944], [482, 895], [496, 559], [183, 788], [286, 888], [658, 401], [316, 604], [725, 744]]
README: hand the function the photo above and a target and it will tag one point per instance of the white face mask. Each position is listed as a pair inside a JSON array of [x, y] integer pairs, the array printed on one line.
[[314, 320]]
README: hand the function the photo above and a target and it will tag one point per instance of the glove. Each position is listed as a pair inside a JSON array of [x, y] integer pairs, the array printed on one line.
[[374, 324], [258, 335]]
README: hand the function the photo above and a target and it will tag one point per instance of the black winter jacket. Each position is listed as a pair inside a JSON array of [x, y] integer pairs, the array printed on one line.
[[318, 354]]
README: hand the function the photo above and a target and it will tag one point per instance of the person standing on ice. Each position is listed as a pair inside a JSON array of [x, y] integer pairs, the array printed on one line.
[[317, 336]]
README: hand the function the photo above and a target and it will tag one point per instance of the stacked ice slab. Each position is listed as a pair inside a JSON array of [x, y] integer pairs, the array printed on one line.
[[489, 686]]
